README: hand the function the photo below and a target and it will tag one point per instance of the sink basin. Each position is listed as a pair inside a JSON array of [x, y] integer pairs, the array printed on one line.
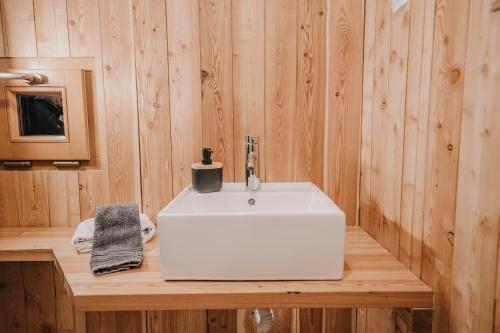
[[293, 231]]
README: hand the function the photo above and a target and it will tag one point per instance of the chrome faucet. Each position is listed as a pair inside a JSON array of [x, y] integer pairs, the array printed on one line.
[[252, 162]]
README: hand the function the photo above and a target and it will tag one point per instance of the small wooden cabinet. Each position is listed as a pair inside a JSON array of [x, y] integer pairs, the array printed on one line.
[[45, 121]]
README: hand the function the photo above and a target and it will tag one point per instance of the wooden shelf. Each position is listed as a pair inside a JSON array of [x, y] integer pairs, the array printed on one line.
[[372, 278]]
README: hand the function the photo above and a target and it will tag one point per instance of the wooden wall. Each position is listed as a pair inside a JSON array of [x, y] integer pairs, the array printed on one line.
[[430, 190], [172, 76]]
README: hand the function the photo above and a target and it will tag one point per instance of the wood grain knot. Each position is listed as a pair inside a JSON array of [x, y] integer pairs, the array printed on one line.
[[393, 56], [406, 19], [450, 235], [321, 12], [383, 106], [108, 67], [204, 75], [485, 69], [2, 285], [293, 292], [71, 22], [439, 125], [454, 76], [495, 6], [449, 147]]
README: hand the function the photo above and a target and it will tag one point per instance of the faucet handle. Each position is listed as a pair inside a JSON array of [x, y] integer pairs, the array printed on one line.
[[253, 183], [251, 139]]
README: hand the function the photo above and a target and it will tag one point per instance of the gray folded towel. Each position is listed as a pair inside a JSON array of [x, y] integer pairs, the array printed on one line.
[[117, 239]]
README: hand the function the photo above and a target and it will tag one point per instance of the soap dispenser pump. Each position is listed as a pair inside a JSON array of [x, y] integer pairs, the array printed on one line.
[[207, 175]]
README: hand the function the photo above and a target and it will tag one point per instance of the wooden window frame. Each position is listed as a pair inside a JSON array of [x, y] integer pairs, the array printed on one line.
[[13, 113]]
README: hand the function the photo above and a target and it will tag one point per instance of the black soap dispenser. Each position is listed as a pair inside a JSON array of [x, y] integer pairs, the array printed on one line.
[[207, 175]]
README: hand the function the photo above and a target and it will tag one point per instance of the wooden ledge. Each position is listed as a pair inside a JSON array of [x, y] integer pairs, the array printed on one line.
[[372, 278]]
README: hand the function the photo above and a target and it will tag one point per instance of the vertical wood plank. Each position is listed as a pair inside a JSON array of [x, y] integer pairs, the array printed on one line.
[[416, 133], [12, 306], [411, 127], [311, 321], [154, 321], [343, 114], [18, 22], [380, 93], [361, 320], [365, 201], [450, 37], [388, 122], [33, 198], [280, 88], [380, 320], [216, 81], [120, 102], [85, 41], [101, 322], [337, 320], [83, 27], [176, 321], [396, 110], [93, 192], [221, 321], [63, 193], [129, 322], [383, 132], [344, 95], [472, 306], [65, 320], [244, 322], [185, 88], [284, 321], [51, 23], [39, 295], [248, 81], [150, 30], [2, 48], [80, 322], [311, 81], [9, 210]]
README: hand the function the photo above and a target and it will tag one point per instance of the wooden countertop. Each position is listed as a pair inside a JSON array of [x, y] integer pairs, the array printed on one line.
[[372, 278]]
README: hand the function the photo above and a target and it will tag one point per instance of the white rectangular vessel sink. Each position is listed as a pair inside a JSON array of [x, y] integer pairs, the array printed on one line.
[[293, 231]]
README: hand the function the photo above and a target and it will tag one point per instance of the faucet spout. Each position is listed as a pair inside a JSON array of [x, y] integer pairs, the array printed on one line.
[[252, 163]]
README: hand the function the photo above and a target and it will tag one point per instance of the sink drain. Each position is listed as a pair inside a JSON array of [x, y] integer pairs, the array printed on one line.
[[251, 201]]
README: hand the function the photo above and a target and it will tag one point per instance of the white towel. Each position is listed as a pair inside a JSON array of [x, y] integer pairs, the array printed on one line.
[[83, 238]]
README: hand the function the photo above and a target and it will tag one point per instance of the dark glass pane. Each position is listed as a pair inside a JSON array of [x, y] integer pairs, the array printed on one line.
[[40, 114]]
